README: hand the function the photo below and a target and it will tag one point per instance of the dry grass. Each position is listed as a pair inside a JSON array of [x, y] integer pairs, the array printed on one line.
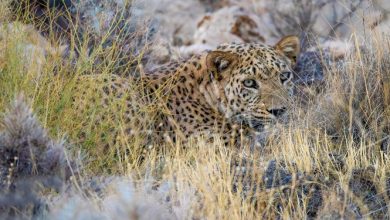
[[331, 160]]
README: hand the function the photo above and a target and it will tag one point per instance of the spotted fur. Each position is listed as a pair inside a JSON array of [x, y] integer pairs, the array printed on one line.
[[235, 86]]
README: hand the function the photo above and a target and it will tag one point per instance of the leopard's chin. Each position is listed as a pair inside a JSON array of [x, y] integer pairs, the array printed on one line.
[[258, 125]]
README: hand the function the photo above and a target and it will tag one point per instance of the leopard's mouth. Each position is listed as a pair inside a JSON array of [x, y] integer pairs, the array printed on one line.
[[256, 123]]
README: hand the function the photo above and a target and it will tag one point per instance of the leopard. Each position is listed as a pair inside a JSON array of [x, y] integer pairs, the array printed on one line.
[[235, 90]]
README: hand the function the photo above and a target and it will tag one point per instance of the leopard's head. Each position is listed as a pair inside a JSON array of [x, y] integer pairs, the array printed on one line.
[[253, 82]]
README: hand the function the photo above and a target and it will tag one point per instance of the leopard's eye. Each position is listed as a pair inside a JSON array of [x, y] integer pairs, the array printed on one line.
[[285, 76], [250, 83]]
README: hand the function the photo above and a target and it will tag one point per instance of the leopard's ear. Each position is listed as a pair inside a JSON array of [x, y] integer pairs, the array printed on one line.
[[290, 47], [220, 61]]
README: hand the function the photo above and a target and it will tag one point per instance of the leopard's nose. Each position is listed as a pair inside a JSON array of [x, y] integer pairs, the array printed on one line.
[[277, 112]]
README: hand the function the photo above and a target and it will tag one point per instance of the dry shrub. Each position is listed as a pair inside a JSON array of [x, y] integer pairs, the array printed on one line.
[[352, 105], [30, 162], [116, 37], [109, 35]]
